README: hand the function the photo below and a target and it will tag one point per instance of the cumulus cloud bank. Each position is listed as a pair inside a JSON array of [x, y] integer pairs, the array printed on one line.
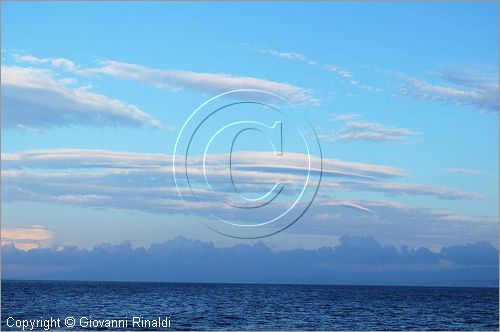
[[27, 238], [356, 260]]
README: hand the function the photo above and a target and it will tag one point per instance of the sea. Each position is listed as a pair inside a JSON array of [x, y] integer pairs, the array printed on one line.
[[50, 305]]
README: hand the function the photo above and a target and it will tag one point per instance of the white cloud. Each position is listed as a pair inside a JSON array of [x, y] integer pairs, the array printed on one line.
[[174, 80], [412, 189], [143, 182], [33, 98], [55, 62], [371, 131], [27, 238], [349, 77], [331, 166], [340, 71], [337, 70], [80, 158], [284, 55], [345, 117], [470, 88], [357, 130], [467, 171]]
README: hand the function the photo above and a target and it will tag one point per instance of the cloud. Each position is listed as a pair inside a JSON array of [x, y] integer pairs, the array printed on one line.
[[396, 223], [412, 189], [336, 70], [82, 158], [471, 254], [349, 77], [153, 190], [27, 238], [284, 55], [467, 171], [143, 182], [475, 89], [85, 158], [345, 203], [175, 80], [339, 71], [345, 117], [331, 166], [357, 130], [363, 130], [356, 260], [55, 62], [33, 98]]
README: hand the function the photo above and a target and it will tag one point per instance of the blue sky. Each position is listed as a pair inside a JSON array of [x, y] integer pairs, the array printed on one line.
[[407, 92]]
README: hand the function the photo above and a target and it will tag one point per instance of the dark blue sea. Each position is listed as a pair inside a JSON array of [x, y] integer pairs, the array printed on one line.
[[192, 306]]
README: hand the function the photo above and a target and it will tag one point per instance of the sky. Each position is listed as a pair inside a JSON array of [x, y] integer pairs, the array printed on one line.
[[403, 98]]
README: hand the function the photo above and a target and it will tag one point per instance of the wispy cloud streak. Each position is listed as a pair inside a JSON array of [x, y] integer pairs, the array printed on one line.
[[34, 98], [475, 89]]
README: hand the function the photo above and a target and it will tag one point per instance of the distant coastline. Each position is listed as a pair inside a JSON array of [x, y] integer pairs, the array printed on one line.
[[494, 285]]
